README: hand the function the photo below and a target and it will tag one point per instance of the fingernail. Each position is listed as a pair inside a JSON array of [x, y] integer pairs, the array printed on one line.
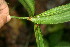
[[8, 18]]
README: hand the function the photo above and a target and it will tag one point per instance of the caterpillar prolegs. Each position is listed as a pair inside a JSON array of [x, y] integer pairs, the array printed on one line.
[[4, 13]]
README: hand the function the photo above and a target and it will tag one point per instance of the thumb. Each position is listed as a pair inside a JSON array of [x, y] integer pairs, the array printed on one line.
[[1, 23], [4, 13], [4, 19], [8, 18]]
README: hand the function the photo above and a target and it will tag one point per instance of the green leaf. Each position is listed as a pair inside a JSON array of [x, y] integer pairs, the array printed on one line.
[[55, 28], [56, 10], [55, 38], [63, 44], [46, 44], [38, 35], [55, 19], [29, 5]]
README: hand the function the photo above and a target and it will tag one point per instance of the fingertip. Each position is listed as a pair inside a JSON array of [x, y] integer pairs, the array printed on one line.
[[8, 18]]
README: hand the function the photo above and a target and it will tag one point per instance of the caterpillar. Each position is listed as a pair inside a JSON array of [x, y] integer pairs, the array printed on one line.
[[4, 12]]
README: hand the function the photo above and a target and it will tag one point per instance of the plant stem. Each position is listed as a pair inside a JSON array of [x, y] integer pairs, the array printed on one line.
[[20, 17]]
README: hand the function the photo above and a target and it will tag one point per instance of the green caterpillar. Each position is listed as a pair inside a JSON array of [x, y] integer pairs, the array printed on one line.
[[56, 10], [55, 19]]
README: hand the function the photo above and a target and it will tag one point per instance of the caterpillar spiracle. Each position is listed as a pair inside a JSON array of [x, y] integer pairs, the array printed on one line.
[[4, 13]]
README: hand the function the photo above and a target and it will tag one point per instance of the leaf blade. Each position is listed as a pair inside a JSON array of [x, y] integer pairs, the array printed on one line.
[[63, 44], [29, 6], [55, 38], [38, 35], [55, 19], [56, 10]]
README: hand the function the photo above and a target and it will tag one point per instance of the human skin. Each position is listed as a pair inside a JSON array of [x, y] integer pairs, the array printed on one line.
[[4, 13]]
